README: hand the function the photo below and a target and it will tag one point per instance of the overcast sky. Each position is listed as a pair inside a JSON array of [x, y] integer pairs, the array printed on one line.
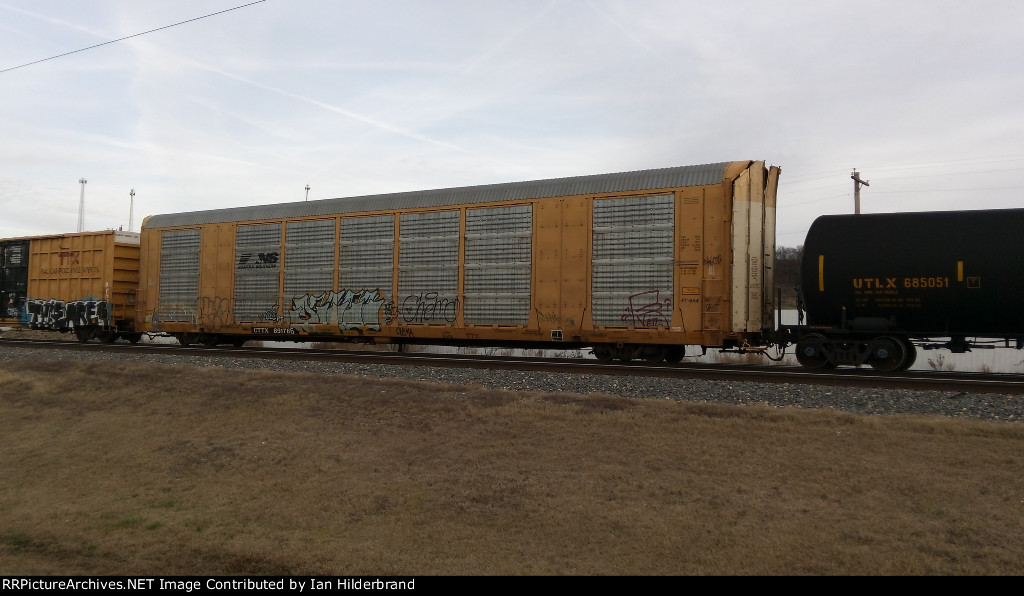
[[247, 107]]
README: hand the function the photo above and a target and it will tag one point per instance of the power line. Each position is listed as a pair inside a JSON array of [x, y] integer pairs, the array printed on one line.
[[889, 177], [129, 37], [948, 189], [941, 164], [967, 162]]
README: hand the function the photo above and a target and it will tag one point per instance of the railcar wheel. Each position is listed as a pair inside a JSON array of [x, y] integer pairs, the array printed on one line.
[[602, 353], [87, 333], [653, 354], [911, 357], [108, 337], [185, 339], [675, 354], [238, 342], [133, 337], [887, 354], [209, 340], [812, 351]]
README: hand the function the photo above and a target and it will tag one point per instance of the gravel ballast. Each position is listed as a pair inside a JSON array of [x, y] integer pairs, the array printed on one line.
[[860, 400]]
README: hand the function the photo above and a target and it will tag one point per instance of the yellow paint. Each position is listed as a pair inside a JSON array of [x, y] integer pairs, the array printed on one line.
[[821, 273], [959, 270]]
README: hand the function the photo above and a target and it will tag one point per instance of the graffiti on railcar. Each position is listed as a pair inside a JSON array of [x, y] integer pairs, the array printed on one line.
[[390, 312], [348, 309], [361, 310], [174, 312], [554, 319], [214, 312], [429, 307], [309, 310], [57, 315], [270, 314], [647, 309]]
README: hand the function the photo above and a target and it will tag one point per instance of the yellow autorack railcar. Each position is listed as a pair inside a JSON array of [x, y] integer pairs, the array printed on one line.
[[633, 265]]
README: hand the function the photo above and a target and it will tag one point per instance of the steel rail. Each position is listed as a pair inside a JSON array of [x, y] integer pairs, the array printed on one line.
[[1001, 383]]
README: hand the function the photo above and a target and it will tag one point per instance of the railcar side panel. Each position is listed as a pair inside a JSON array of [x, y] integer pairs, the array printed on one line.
[[768, 310], [575, 313], [177, 277], [715, 263], [309, 274], [366, 272], [428, 268], [215, 306], [633, 248], [691, 240], [498, 265], [748, 250], [257, 273], [547, 241]]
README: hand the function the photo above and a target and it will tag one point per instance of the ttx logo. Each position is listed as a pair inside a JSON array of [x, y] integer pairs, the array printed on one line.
[[69, 257]]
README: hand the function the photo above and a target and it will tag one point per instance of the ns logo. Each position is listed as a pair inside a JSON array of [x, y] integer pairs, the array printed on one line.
[[258, 260]]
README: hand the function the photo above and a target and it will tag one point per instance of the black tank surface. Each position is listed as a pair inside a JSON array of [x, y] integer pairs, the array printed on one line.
[[939, 273]]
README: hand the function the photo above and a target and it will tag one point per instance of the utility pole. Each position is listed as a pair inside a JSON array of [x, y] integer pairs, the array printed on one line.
[[307, 192], [131, 210], [856, 190], [81, 206]]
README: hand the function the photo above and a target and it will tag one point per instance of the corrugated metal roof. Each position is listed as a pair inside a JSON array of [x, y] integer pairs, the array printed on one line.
[[680, 176], [120, 236]]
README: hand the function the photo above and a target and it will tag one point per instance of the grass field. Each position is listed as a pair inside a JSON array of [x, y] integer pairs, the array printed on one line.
[[140, 469]]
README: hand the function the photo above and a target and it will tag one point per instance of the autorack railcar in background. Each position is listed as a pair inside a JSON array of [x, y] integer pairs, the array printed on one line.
[[877, 287], [636, 265], [83, 283]]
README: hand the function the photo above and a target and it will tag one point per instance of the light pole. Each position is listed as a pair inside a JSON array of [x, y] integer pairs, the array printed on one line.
[[81, 206], [131, 209], [307, 192]]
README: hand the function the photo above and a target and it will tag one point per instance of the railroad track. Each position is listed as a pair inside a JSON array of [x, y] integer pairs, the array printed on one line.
[[965, 382]]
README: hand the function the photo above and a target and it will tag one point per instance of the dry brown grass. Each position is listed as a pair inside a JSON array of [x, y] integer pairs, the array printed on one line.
[[134, 469]]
